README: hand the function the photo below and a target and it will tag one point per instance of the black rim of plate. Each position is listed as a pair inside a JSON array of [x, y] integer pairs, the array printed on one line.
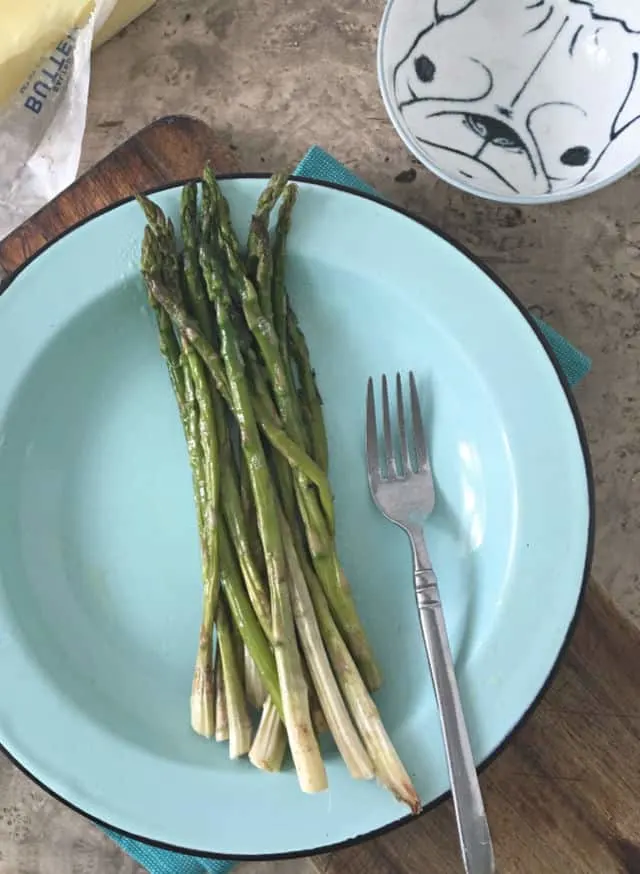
[[526, 315]]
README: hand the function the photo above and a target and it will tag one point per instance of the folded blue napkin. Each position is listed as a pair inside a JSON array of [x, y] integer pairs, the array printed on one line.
[[317, 164]]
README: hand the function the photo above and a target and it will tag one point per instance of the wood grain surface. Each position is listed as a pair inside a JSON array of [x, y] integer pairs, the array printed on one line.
[[170, 150], [564, 796]]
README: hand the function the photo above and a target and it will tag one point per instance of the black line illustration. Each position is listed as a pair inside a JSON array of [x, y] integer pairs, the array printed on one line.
[[541, 60], [615, 131], [421, 62], [541, 23], [574, 39], [513, 131], [622, 19]]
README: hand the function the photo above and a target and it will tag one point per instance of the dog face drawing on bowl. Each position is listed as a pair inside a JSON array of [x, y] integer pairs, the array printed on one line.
[[528, 98]]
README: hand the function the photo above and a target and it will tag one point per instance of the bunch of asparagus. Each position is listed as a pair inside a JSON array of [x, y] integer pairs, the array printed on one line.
[[288, 640]]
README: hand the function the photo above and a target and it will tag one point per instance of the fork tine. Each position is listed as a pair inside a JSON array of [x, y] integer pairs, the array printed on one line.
[[404, 446], [418, 431], [373, 459], [386, 427]]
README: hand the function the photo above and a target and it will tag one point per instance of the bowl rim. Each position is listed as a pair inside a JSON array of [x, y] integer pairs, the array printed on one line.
[[514, 199], [588, 469]]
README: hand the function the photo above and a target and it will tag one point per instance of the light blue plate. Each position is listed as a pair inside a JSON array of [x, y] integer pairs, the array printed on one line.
[[99, 578]]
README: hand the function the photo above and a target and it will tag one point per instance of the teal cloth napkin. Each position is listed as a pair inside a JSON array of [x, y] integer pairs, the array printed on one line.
[[317, 164]]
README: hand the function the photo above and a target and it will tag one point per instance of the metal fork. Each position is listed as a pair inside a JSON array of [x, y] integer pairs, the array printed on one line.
[[404, 493]]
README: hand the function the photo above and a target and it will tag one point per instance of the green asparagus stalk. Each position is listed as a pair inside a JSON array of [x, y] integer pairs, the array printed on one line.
[[209, 498], [169, 346], [263, 351], [162, 230], [328, 568], [193, 402], [302, 741], [256, 694], [249, 513], [189, 329], [260, 262], [279, 293], [238, 531], [285, 397], [259, 256], [335, 711], [238, 718], [208, 212], [202, 689], [319, 538], [196, 293], [245, 619], [272, 428], [293, 340], [388, 768], [310, 396], [234, 511]]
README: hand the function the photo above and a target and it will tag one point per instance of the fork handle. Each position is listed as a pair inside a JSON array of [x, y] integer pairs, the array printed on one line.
[[473, 828]]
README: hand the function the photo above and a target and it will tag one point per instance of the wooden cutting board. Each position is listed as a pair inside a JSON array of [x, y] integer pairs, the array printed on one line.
[[564, 796]]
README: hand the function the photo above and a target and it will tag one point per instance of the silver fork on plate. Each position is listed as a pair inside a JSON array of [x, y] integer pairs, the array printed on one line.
[[404, 493]]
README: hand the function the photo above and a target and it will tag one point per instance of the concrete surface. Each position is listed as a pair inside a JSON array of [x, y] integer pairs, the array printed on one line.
[[274, 76]]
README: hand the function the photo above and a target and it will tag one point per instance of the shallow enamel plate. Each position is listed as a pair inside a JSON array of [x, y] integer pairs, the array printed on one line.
[[99, 578]]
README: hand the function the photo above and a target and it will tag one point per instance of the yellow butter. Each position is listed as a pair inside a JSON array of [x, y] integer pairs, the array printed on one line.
[[31, 28], [125, 12]]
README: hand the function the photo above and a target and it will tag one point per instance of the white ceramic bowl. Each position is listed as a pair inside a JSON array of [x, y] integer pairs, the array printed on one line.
[[523, 101]]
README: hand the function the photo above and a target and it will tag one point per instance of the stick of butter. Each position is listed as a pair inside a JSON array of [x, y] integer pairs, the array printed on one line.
[[31, 29], [124, 13]]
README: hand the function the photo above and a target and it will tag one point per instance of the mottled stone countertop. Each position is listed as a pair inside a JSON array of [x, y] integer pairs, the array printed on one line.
[[273, 77]]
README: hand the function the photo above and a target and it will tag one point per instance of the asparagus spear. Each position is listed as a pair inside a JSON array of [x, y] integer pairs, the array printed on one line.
[[249, 512], [259, 256], [302, 741], [190, 330], [388, 768], [259, 261], [190, 232], [221, 718], [238, 531], [168, 343], [246, 620], [278, 292], [162, 230], [202, 700], [209, 497], [333, 706], [193, 402], [238, 718], [310, 396], [258, 242]]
